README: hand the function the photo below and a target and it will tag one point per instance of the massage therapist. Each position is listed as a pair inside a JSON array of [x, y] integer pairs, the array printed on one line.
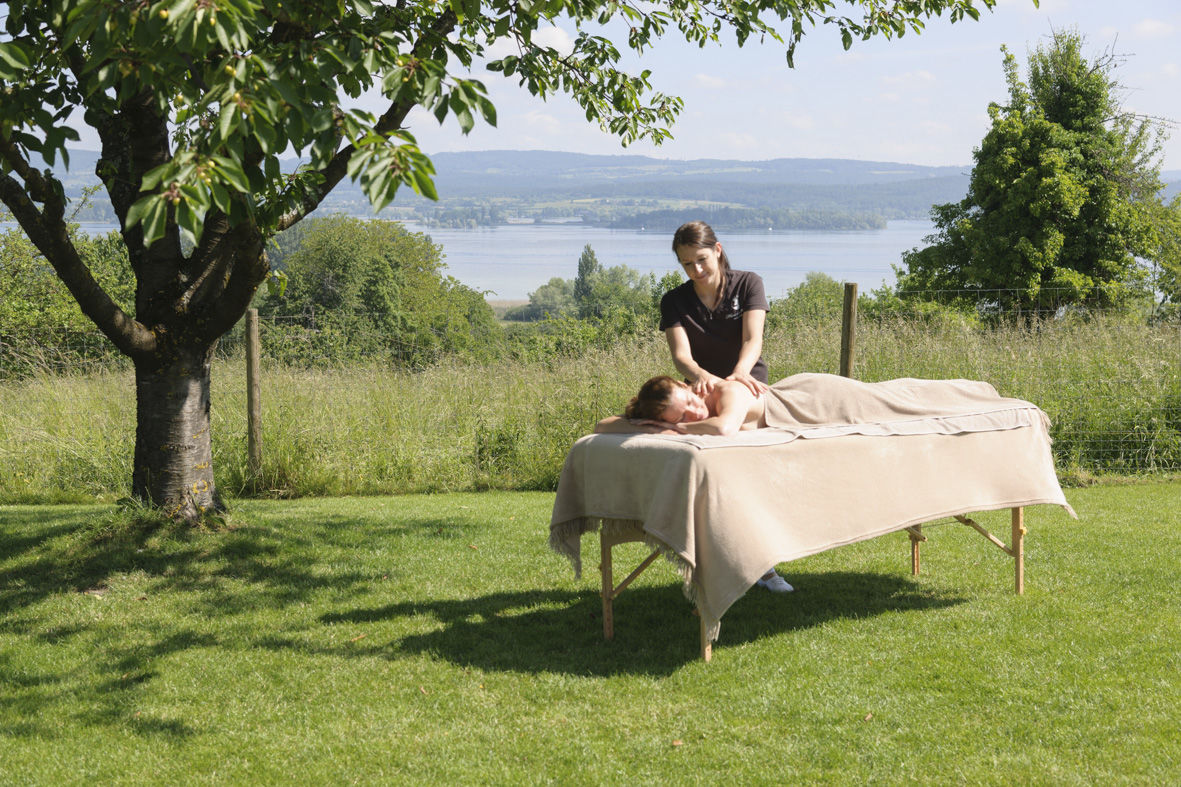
[[714, 325], [714, 321]]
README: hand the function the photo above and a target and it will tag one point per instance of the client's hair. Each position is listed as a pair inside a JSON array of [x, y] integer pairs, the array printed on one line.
[[653, 398]]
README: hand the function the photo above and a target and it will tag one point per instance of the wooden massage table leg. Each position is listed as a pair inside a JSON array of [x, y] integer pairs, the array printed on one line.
[[608, 587], [610, 590], [916, 537], [1017, 548]]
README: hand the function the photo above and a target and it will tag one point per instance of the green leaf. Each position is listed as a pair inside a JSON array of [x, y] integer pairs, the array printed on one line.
[[227, 120], [231, 171], [466, 121], [488, 110], [221, 197], [424, 185], [155, 220], [153, 176], [136, 212], [13, 60], [277, 284], [267, 137]]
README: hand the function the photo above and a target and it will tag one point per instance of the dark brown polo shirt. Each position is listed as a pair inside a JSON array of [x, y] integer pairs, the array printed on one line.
[[715, 337]]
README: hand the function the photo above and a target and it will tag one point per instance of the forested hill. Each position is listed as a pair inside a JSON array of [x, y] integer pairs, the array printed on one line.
[[478, 172], [635, 191], [495, 187]]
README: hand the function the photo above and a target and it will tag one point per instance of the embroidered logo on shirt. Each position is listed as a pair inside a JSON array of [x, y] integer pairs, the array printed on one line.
[[725, 311]]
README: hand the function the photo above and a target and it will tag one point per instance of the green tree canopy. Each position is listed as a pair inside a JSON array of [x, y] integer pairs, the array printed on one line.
[[40, 323], [818, 297], [595, 293], [588, 267], [373, 290], [1165, 270], [555, 298], [1063, 201]]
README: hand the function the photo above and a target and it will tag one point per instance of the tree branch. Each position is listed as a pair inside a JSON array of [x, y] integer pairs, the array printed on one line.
[[52, 239], [390, 120], [232, 292]]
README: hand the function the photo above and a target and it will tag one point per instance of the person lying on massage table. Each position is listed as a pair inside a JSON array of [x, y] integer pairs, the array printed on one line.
[[668, 406]]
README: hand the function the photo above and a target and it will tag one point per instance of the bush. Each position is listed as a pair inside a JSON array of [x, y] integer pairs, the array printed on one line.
[[370, 290], [41, 326]]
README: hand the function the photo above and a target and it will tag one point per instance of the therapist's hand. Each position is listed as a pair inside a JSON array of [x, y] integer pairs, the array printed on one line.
[[757, 387], [705, 383]]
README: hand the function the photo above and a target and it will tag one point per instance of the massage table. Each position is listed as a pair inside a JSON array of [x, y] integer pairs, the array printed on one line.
[[725, 510]]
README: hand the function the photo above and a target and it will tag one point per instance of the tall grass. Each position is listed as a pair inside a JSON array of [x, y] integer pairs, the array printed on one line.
[[1112, 389], [452, 427]]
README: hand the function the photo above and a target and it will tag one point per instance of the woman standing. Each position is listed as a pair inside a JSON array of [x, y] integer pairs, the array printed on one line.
[[714, 325], [714, 321]]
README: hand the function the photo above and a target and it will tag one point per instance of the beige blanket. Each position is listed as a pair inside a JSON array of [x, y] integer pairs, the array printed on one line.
[[873, 458]]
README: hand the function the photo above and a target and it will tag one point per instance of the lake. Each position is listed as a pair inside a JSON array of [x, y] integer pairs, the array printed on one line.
[[509, 262], [513, 260]]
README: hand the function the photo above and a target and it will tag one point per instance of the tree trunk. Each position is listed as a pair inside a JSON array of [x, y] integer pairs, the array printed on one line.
[[173, 452]]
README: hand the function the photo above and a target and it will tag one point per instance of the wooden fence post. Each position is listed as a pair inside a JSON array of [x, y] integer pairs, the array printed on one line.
[[253, 404], [848, 328]]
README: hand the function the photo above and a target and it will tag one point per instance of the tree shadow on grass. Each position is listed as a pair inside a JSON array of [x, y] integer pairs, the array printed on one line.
[[219, 575], [38, 698], [281, 564], [24, 530], [655, 632]]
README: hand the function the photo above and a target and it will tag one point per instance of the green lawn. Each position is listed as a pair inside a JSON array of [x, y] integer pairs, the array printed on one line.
[[436, 639]]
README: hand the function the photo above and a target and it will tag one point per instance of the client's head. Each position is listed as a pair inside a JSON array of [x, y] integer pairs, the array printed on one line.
[[664, 399]]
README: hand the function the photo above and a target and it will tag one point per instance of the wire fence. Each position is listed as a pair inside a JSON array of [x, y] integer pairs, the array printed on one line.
[[1110, 382]]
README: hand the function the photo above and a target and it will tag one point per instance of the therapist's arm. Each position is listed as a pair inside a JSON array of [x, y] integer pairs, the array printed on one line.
[[678, 345], [752, 347]]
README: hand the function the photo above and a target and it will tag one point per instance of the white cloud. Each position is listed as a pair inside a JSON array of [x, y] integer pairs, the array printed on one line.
[[1171, 70], [1153, 28], [707, 81], [553, 36], [802, 122], [556, 37], [542, 122], [920, 77], [733, 142]]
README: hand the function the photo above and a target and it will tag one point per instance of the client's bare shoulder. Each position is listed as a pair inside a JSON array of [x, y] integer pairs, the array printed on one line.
[[729, 398], [755, 413]]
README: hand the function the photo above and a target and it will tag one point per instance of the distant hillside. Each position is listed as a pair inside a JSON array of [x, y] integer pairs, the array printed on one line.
[[532, 169], [490, 187], [625, 190]]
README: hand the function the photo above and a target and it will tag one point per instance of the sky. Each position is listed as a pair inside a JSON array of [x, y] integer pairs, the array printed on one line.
[[919, 99]]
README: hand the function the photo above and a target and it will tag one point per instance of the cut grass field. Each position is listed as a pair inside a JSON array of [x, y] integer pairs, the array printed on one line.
[[436, 639]]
